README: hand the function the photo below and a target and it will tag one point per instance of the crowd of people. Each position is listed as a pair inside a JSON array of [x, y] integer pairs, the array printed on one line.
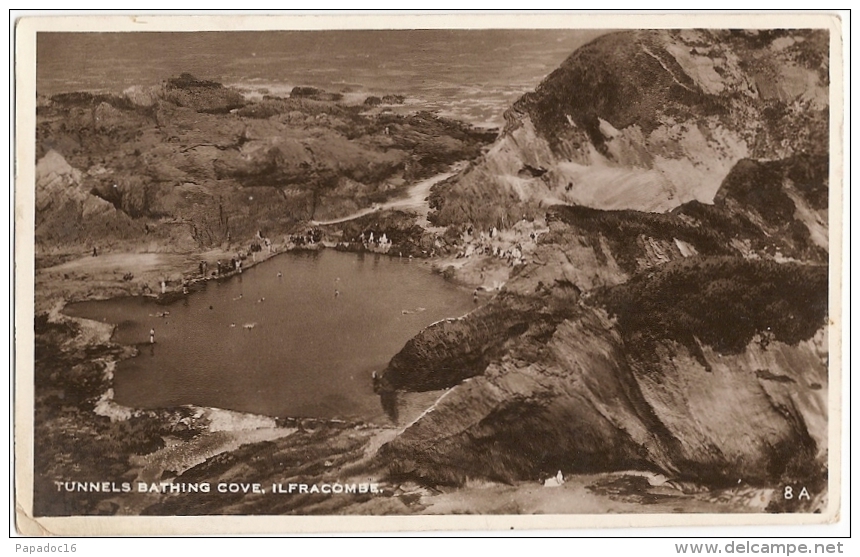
[[507, 246], [375, 242], [310, 237]]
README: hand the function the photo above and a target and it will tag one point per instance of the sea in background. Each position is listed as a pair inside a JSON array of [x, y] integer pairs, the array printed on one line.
[[471, 75]]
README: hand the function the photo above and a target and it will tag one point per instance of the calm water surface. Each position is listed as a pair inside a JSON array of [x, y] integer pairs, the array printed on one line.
[[280, 346]]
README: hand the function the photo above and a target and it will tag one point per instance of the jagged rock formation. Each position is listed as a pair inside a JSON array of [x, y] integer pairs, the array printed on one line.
[[192, 163], [728, 383], [467, 344], [674, 317], [649, 120], [67, 212]]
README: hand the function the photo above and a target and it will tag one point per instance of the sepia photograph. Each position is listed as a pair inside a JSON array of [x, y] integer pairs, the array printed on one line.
[[392, 268]]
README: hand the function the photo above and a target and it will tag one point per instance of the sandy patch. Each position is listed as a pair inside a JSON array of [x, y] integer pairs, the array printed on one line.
[[622, 493], [227, 420], [125, 262]]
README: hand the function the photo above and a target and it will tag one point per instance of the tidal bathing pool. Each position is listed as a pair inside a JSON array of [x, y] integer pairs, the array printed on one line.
[[299, 335]]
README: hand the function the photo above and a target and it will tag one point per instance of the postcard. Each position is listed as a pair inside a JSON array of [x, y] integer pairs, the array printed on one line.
[[417, 272]]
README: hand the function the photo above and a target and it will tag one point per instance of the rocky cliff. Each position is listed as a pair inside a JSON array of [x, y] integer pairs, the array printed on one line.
[[673, 316], [700, 370], [649, 120], [193, 164]]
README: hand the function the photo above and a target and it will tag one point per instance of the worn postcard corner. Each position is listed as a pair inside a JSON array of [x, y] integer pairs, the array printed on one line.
[[375, 273]]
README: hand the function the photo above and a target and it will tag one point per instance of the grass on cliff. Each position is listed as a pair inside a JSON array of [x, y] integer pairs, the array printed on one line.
[[760, 185], [625, 78], [723, 302], [623, 228]]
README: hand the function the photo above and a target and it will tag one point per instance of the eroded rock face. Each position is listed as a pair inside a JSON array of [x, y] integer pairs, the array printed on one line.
[[591, 390], [691, 347], [453, 350], [193, 162], [649, 120], [66, 211], [521, 418], [786, 198]]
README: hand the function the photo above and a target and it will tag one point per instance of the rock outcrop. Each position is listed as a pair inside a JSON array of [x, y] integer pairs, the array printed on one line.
[[649, 120], [67, 212], [674, 316], [727, 382], [201, 95], [193, 163]]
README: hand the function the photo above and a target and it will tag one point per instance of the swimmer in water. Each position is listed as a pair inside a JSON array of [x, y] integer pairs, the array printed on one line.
[[232, 324], [280, 274], [336, 293]]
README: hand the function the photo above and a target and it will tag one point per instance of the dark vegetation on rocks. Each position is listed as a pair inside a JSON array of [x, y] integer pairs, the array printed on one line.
[[723, 302], [588, 85], [450, 351], [759, 185]]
